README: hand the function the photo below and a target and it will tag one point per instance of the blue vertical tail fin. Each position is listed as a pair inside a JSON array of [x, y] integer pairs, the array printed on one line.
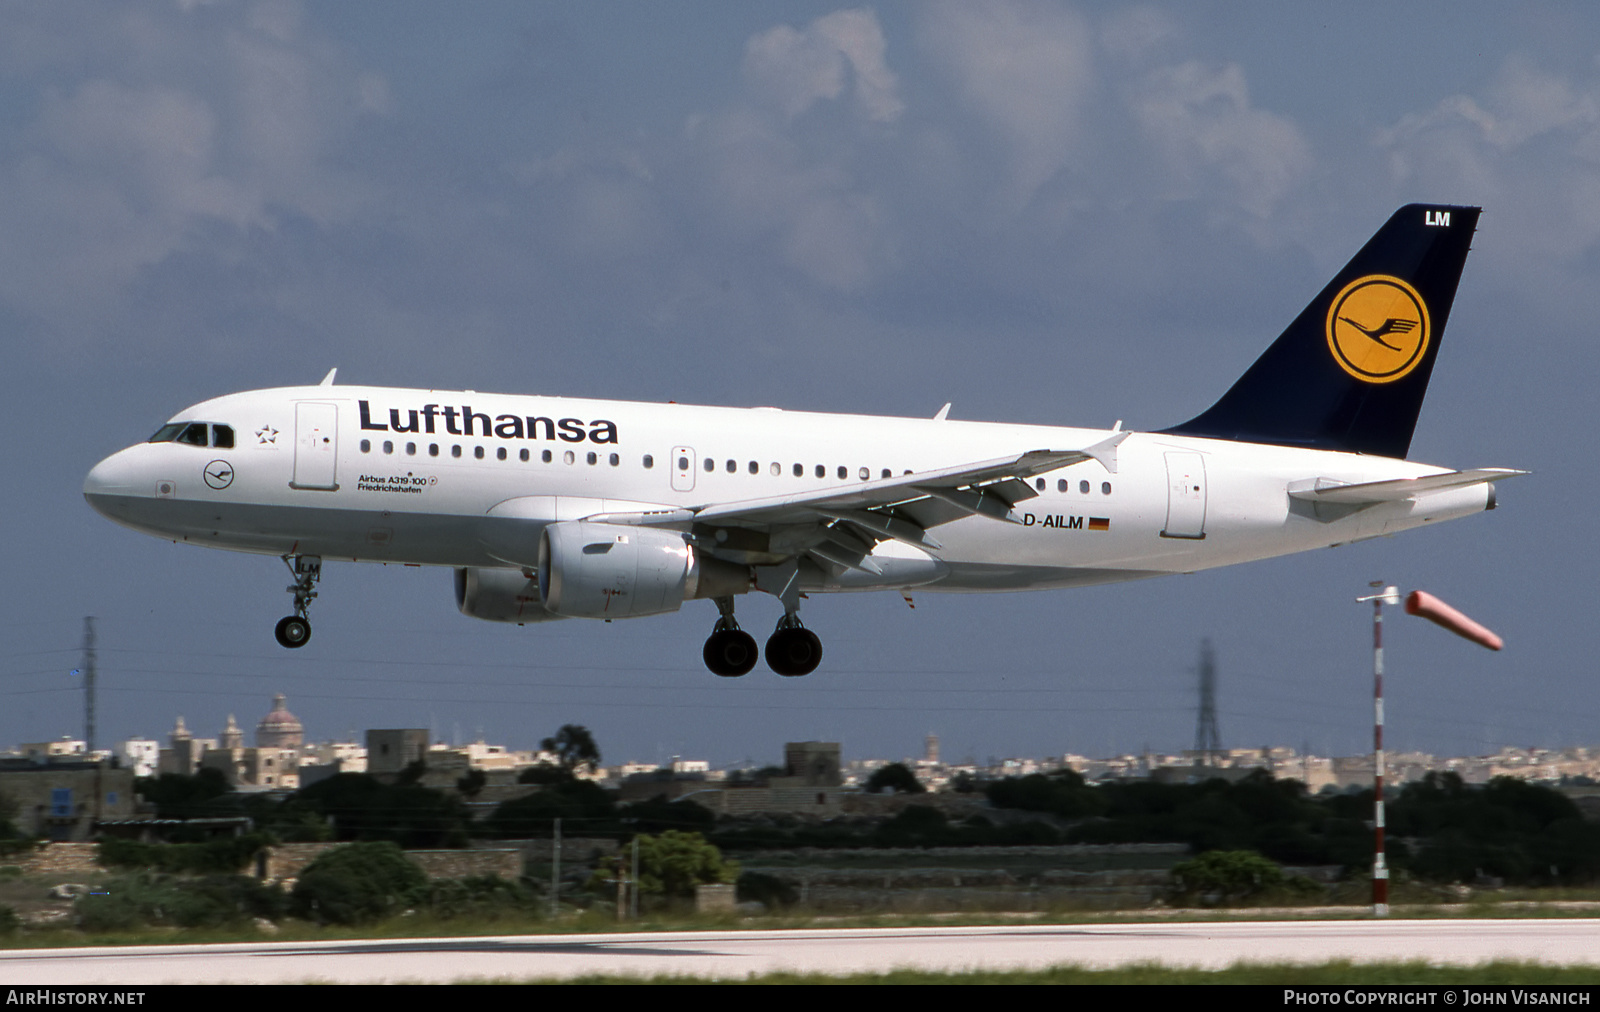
[[1351, 371]]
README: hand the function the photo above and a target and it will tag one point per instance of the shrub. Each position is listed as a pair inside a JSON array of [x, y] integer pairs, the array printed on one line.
[[133, 901], [1224, 876], [769, 890], [479, 896], [359, 883], [228, 855]]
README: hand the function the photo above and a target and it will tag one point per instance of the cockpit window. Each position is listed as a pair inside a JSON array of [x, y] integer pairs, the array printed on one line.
[[195, 434]]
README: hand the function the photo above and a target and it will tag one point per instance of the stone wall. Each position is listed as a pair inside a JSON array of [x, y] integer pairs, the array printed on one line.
[[506, 863], [67, 860]]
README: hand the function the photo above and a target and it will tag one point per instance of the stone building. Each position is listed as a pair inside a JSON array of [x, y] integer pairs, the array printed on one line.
[[63, 800]]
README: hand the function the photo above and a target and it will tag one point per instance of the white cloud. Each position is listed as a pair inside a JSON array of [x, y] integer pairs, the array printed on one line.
[[1028, 72], [1202, 120], [191, 120], [1528, 149], [796, 69]]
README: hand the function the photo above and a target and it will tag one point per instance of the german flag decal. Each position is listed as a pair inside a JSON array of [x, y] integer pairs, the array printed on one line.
[[1099, 523]]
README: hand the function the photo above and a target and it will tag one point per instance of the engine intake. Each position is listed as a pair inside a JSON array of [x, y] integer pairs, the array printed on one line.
[[597, 570]]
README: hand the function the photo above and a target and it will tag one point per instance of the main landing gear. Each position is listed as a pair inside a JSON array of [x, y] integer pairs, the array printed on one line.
[[730, 651], [295, 630], [793, 649]]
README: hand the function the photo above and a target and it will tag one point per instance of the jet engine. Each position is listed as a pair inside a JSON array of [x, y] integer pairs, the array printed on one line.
[[500, 595], [599, 570]]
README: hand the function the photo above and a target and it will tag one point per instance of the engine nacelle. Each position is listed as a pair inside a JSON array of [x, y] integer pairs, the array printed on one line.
[[597, 570], [500, 595], [590, 570]]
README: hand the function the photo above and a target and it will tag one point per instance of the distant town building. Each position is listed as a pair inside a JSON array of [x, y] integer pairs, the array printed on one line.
[[390, 750], [63, 800], [279, 729]]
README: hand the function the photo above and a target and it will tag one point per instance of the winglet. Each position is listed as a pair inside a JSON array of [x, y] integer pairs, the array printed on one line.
[[327, 381], [1105, 451]]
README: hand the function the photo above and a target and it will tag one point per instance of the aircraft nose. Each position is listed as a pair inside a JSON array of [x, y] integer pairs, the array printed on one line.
[[112, 477]]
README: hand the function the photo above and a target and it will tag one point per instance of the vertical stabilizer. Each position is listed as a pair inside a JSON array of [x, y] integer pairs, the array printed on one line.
[[1351, 371]]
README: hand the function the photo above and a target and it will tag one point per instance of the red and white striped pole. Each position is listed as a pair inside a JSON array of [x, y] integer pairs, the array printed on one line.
[[1380, 867], [1423, 605]]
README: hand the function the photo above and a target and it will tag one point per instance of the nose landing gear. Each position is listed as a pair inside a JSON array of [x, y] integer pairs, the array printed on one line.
[[294, 630]]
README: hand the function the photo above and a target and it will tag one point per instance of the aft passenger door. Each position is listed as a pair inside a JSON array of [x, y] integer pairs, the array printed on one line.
[[316, 446], [1186, 496]]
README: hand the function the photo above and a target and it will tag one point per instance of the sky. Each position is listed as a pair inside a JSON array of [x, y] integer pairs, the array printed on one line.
[[1052, 213]]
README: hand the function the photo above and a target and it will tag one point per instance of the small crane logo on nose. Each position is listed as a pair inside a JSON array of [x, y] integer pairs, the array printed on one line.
[[219, 474]]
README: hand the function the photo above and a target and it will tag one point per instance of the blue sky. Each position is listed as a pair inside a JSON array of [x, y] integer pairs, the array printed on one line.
[[1041, 212]]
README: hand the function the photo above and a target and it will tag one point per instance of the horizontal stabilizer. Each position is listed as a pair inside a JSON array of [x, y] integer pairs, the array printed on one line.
[[1327, 490]]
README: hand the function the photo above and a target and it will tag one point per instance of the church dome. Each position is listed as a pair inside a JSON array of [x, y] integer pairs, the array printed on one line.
[[280, 728]]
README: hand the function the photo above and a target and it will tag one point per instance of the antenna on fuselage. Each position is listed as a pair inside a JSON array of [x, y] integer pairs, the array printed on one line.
[[327, 381]]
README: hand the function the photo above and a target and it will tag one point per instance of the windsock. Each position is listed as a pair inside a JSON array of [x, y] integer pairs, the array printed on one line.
[[1423, 604]]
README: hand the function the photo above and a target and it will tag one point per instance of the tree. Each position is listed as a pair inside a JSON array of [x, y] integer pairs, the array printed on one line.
[[471, 785], [583, 806], [673, 863], [896, 777], [574, 748]]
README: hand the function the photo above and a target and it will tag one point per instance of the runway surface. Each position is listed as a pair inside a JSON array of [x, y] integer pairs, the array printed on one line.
[[737, 954]]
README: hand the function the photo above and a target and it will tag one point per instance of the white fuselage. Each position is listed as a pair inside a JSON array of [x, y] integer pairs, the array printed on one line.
[[332, 471]]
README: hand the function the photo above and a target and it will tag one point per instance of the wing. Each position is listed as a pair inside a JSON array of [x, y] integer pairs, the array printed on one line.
[[839, 526]]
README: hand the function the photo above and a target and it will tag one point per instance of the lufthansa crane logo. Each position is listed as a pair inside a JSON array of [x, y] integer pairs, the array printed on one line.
[[219, 474], [1378, 328]]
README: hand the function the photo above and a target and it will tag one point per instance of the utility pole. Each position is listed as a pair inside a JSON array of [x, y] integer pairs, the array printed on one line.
[[555, 872], [1207, 739], [88, 683]]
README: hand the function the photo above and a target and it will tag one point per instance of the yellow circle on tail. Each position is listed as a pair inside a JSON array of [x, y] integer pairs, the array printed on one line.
[[1378, 328]]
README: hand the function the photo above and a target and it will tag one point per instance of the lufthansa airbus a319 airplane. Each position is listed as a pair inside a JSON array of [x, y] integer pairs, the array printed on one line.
[[550, 508]]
